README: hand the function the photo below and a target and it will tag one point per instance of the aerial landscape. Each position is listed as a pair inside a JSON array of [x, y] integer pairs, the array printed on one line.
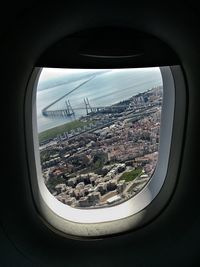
[[105, 156]]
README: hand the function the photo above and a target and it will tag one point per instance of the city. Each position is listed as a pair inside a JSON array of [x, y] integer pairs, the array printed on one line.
[[109, 158]]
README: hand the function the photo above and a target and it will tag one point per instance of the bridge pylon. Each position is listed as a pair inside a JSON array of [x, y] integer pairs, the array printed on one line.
[[87, 105], [69, 109]]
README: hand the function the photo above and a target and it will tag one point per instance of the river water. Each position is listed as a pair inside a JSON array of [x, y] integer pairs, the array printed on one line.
[[106, 88]]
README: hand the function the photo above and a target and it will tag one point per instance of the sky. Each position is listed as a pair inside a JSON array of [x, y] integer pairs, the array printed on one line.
[[51, 73]]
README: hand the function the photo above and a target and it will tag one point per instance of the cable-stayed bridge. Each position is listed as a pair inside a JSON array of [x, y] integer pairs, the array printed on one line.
[[69, 110]]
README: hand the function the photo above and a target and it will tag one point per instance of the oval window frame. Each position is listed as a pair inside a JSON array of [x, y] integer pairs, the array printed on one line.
[[138, 210]]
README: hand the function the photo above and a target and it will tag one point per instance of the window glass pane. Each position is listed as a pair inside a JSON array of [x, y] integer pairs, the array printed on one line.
[[98, 133]]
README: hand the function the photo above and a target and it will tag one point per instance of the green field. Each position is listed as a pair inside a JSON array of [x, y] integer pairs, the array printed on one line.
[[131, 175], [54, 132]]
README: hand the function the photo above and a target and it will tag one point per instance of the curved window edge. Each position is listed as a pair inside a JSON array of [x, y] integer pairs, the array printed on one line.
[[136, 211]]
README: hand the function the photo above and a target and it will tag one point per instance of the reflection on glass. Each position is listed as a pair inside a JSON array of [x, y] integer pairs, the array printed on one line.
[[98, 133]]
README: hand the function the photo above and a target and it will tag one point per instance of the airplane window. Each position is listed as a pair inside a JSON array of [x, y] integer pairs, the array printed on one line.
[[99, 133], [99, 144]]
